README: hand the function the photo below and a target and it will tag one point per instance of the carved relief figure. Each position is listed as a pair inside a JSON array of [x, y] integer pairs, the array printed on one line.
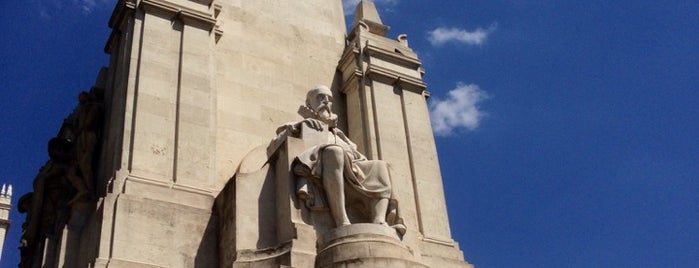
[[50, 196], [88, 116], [24, 205], [65, 180], [336, 166]]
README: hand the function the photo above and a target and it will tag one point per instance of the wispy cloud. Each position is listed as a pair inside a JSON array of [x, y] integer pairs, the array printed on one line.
[[349, 5], [86, 5], [459, 110], [443, 35], [47, 9]]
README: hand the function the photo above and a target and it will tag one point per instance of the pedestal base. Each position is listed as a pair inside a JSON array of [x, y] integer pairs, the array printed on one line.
[[363, 245]]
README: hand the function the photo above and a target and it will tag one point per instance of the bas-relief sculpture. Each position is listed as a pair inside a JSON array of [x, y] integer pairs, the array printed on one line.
[[89, 113], [332, 171], [45, 205]]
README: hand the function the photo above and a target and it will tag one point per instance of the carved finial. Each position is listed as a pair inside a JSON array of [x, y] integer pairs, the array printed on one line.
[[403, 39], [9, 191], [366, 12], [3, 190]]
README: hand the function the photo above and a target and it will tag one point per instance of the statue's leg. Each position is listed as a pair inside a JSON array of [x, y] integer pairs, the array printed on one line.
[[31, 233], [381, 205], [380, 208], [86, 171], [86, 146], [78, 183], [333, 158]]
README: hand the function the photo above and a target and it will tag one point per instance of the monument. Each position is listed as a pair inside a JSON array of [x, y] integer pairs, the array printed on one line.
[[171, 159]]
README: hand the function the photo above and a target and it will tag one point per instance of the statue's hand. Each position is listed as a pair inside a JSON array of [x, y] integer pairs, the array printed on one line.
[[313, 123], [288, 128]]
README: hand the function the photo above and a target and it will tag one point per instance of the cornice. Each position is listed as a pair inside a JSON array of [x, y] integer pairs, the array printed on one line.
[[348, 57], [184, 13], [120, 11], [378, 73], [392, 56], [392, 77], [205, 20], [352, 80]]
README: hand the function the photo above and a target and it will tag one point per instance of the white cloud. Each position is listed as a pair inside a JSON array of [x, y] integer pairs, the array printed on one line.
[[442, 35], [458, 110], [47, 9], [87, 5], [349, 5]]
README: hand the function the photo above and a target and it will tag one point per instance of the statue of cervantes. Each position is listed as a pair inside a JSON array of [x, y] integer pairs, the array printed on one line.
[[337, 169]]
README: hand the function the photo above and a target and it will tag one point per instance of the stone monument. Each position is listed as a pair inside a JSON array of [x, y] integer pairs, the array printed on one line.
[[171, 159]]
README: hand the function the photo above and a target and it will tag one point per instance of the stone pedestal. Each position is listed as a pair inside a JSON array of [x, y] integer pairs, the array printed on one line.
[[363, 245]]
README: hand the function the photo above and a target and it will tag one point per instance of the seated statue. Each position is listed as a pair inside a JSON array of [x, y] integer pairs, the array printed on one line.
[[336, 168]]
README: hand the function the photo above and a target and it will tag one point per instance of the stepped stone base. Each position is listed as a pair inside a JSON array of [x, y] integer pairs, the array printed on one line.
[[363, 245]]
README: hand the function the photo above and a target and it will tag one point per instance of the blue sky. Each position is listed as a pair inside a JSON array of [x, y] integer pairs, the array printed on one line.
[[567, 130]]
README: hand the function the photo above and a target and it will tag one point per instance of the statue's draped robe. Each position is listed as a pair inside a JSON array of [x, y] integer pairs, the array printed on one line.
[[368, 177]]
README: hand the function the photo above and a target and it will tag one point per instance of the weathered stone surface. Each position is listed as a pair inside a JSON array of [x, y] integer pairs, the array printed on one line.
[[363, 245]]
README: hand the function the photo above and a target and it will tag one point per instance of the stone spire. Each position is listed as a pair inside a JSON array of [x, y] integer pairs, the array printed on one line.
[[5, 206], [367, 14]]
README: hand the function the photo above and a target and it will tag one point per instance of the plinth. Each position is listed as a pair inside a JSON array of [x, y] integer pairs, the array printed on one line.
[[363, 245]]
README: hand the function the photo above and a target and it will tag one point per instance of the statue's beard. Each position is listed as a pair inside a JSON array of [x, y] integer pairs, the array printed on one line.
[[324, 114]]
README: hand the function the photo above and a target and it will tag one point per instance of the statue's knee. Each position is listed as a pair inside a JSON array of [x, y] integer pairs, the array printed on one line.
[[333, 151]]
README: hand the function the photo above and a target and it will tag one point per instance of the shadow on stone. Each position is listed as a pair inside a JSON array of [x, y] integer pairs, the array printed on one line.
[[207, 253]]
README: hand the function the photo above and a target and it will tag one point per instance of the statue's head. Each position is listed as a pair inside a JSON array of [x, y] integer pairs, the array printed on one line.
[[59, 149], [83, 97], [319, 100], [24, 204]]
